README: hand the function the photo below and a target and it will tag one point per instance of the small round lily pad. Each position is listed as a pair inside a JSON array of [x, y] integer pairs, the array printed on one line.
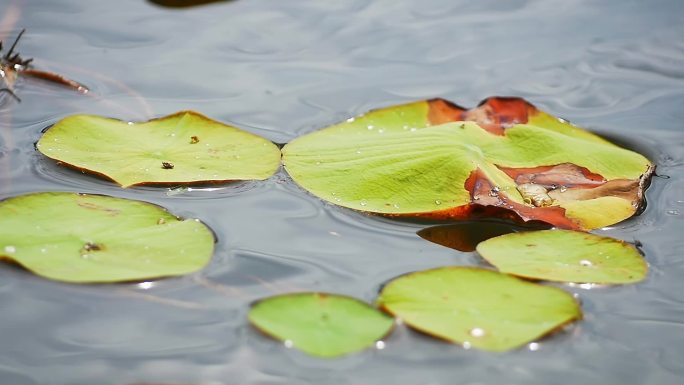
[[566, 256], [478, 307], [181, 148], [84, 238], [324, 325]]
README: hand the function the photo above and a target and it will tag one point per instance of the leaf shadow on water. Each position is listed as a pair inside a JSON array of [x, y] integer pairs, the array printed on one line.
[[185, 3], [466, 236]]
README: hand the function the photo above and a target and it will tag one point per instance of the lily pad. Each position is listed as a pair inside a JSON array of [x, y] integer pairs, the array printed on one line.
[[92, 238], [510, 160], [324, 325], [477, 307], [182, 148], [566, 256]]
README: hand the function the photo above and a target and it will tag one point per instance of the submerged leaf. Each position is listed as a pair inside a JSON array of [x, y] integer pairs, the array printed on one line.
[[510, 160], [92, 238], [319, 324], [567, 256], [182, 148], [477, 307]]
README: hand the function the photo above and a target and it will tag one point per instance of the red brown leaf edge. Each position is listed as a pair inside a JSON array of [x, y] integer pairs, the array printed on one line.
[[504, 158]]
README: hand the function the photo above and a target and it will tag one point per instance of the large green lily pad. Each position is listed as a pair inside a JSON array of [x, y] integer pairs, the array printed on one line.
[[324, 325], [504, 158], [477, 307], [92, 238], [182, 148], [567, 256]]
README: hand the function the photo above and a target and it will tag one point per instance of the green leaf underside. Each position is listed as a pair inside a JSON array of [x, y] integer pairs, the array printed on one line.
[[185, 147], [92, 238], [324, 325], [392, 161], [477, 307], [567, 256]]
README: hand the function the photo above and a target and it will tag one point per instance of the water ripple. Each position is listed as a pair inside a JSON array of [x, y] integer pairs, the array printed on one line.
[[282, 69]]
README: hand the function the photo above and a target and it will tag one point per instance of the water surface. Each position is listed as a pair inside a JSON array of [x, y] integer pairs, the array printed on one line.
[[284, 68]]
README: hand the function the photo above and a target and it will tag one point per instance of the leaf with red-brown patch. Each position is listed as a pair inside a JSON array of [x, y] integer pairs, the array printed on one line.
[[504, 158]]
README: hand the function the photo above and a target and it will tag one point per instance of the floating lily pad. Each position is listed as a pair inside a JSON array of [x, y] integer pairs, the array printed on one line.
[[182, 148], [509, 160], [567, 256], [92, 238], [477, 307], [319, 324]]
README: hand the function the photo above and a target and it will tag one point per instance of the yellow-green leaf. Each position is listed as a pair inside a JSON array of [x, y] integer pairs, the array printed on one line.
[[477, 307], [325, 325], [182, 148], [567, 256], [84, 238]]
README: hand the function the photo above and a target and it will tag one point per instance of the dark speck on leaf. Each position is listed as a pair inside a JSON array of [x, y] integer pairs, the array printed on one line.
[[89, 246], [194, 140], [167, 165]]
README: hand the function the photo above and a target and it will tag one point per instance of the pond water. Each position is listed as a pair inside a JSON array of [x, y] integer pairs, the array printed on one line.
[[284, 68]]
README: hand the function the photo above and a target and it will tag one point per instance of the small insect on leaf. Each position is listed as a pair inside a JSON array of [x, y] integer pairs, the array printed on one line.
[[167, 165], [90, 246], [194, 139]]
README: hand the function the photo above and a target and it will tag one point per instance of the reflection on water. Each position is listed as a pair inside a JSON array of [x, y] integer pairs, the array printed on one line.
[[281, 69], [184, 3]]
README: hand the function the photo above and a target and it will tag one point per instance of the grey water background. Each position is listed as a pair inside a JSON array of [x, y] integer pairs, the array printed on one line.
[[284, 68]]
